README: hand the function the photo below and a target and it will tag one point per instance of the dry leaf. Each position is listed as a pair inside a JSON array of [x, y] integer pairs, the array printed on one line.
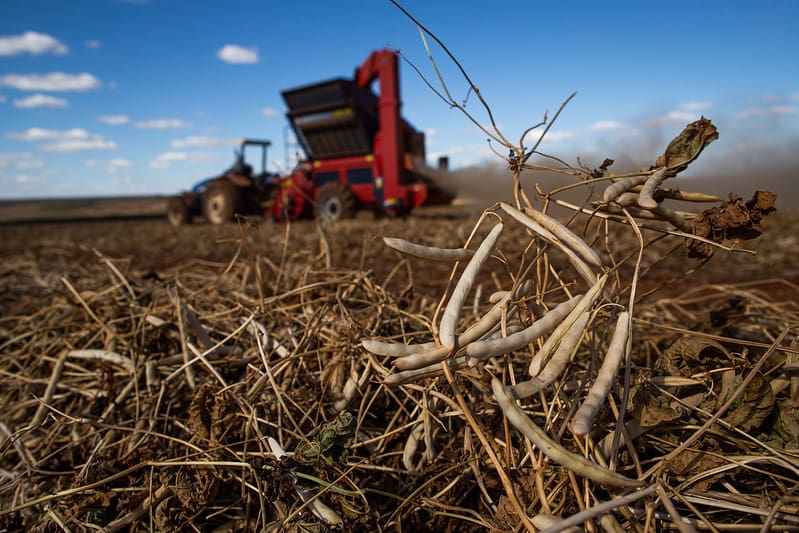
[[735, 219], [690, 355], [693, 462], [687, 146], [650, 407], [752, 408]]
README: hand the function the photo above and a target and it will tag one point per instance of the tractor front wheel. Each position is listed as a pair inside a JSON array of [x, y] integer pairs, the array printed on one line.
[[220, 202], [335, 201], [178, 211]]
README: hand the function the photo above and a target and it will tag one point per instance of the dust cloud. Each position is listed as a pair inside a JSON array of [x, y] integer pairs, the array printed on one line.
[[741, 171]]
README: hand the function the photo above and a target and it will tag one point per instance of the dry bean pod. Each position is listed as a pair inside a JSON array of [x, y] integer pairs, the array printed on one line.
[[477, 330], [627, 199], [577, 262], [567, 236], [623, 185], [576, 463], [558, 362], [598, 393], [430, 253], [543, 521], [583, 305], [432, 370], [673, 217], [484, 349], [646, 196], [395, 349], [449, 319]]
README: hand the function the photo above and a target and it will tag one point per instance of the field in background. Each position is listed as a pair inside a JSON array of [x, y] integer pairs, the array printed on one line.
[[64, 209]]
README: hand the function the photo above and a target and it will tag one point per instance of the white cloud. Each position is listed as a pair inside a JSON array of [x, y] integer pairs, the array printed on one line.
[[110, 166], [198, 141], [696, 106], [430, 132], [607, 125], [555, 136], [23, 178], [40, 100], [162, 124], [42, 134], [20, 161], [54, 81], [232, 53], [93, 43], [113, 120], [79, 145], [460, 150], [31, 42], [674, 117], [73, 140], [270, 112], [165, 160], [777, 110], [202, 157]]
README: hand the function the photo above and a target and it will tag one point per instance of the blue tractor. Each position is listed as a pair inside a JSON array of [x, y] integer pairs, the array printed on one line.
[[239, 190]]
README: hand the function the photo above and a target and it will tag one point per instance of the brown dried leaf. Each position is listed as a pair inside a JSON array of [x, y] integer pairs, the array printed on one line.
[[224, 410], [689, 355], [163, 517], [195, 487], [687, 146], [506, 514], [735, 219], [602, 169], [753, 407], [693, 462], [787, 425], [210, 413], [650, 408], [200, 411]]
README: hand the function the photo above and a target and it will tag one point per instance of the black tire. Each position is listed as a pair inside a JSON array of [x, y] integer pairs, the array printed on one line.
[[221, 201], [178, 211], [335, 201]]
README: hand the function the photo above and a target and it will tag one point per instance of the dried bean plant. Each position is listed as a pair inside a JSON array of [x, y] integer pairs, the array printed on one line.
[[314, 381]]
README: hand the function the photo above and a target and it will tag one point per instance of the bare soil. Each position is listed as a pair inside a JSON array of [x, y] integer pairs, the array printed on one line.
[[74, 209]]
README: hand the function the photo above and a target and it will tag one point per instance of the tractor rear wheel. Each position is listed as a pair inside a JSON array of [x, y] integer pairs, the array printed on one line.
[[178, 212], [220, 202], [335, 201]]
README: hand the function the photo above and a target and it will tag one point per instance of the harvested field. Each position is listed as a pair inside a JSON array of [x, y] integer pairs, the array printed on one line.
[[145, 369]]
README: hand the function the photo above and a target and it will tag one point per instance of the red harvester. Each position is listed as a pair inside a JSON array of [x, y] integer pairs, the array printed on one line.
[[361, 154]]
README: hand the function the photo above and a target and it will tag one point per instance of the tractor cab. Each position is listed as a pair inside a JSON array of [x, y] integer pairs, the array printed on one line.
[[247, 154], [238, 190]]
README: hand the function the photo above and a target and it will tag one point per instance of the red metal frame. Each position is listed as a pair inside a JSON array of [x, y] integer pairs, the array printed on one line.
[[388, 147], [389, 160]]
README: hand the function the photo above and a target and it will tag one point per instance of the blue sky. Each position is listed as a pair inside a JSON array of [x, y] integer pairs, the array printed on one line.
[[105, 97]]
